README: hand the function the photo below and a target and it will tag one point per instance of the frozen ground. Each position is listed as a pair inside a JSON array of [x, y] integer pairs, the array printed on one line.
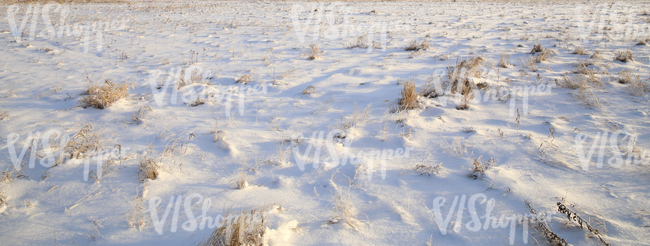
[[257, 138]]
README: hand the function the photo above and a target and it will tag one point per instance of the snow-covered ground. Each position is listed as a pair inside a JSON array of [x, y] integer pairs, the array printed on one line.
[[339, 163]]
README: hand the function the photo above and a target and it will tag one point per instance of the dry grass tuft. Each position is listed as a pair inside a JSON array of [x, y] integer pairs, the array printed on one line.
[[139, 117], [107, 168], [596, 56], [80, 145], [542, 228], [103, 96], [624, 56], [148, 168], [240, 182], [3, 199], [7, 178], [458, 75], [544, 55], [4, 115], [582, 68], [536, 49], [428, 170], [237, 229], [626, 77], [281, 152], [583, 83], [503, 62], [197, 102], [467, 98], [309, 90], [244, 79], [479, 168], [138, 217], [415, 46], [409, 98], [361, 43], [429, 89], [586, 78], [637, 87], [574, 217], [457, 148], [358, 117], [194, 78], [579, 51], [345, 211], [314, 52]]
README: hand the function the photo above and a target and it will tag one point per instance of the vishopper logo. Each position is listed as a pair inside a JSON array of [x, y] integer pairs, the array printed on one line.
[[191, 224], [339, 26], [616, 21], [484, 222], [34, 11], [343, 155], [183, 80], [31, 144], [621, 143], [445, 91], [47, 142]]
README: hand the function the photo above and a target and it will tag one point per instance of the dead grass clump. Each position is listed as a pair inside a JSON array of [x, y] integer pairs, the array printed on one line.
[[568, 82], [596, 56], [7, 178], [409, 98], [238, 229], [579, 51], [309, 90], [536, 49], [503, 62], [361, 43], [103, 96], [345, 211], [457, 148], [197, 102], [583, 68], [479, 168], [542, 228], [107, 168], [281, 152], [458, 75], [240, 182], [624, 56], [3, 199], [626, 77], [139, 117], [584, 84], [358, 117], [423, 169], [148, 168], [244, 79], [220, 138], [588, 97], [4, 115], [415, 46], [574, 217], [429, 89], [544, 55], [138, 217], [314, 52], [194, 78], [637, 87], [80, 145], [467, 98]]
